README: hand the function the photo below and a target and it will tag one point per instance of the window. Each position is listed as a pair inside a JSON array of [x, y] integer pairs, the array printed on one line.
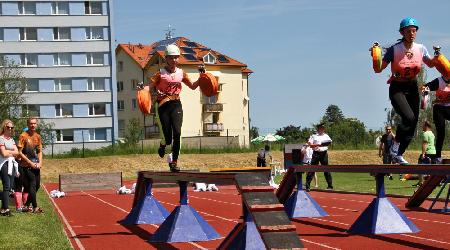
[[28, 34], [119, 65], [62, 59], [2, 35], [134, 83], [30, 110], [133, 104], [61, 33], [64, 84], [64, 110], [92, 8], [94, 33], [121, 127], [119, 86], [210, 59], [64, 135], [97, 109], [60, 8], [32, 85], [96, 84], [120, 105], [27, 8], [28, 59], [97, 134], [95, 58]]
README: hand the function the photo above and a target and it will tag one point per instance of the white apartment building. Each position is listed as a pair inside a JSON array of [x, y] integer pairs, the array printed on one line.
[[65, 49], [226, 114]]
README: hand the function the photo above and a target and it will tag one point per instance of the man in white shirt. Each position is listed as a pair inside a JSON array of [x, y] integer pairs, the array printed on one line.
[[319, 142]]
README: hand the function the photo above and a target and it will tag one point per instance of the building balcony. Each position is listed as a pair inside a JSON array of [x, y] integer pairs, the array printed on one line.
[[213, 127], [215, 107]]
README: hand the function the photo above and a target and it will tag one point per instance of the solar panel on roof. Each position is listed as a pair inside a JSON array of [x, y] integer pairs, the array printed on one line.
[[191, 44], [161, 45], [188, 50], [223, 59], [190, 57]]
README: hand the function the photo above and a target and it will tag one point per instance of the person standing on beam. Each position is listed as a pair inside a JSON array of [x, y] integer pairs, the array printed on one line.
[[167, 82], [406, 58]]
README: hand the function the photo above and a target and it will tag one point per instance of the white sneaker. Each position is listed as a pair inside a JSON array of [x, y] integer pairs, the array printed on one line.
[[212, 187], [400, 160], [394, 149]]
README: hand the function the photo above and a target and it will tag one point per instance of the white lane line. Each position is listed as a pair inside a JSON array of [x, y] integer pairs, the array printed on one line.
[[201, 198], [345, 209], [71, 231], [205, 213], [125, 211], [406, 235], [432, 221], [320, 244], [427, 239], [336, 222]]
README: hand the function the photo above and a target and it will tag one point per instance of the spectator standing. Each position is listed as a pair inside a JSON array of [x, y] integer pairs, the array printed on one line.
[[428, 155], [319, 143], [263, 155], [8, 165], [307, 153], [30, 153], [385, 146]]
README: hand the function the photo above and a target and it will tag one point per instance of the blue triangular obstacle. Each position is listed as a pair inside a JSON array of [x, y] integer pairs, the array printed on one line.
[[382, 217], [184, 224], [244, 236], [147, 211], [301, 205]]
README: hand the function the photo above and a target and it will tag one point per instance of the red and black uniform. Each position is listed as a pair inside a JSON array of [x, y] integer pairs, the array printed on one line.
[[441, 109]]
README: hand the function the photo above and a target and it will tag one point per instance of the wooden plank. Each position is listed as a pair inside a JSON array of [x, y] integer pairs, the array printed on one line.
[[251, 179], [241, 169], [287, 185], [217, 177], [282, 240], [262, 201], [434, 169], [246, 189], [89, 181], [424, 191], [272, 221]]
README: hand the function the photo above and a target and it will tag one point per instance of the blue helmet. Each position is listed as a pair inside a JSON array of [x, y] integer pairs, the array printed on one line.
[[409, 21]]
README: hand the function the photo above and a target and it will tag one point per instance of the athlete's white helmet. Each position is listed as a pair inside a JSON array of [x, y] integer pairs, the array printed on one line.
[[172, 50]]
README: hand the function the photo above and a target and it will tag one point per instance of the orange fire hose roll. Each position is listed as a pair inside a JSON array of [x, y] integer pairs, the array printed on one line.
[[442, 65], [144, 100], [376, 57], [208, 84]]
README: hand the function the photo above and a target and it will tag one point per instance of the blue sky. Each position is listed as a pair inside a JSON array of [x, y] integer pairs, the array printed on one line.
[[305, 54]]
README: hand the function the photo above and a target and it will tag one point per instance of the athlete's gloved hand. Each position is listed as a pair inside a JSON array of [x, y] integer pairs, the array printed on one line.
[[201, 68], [140, 86]]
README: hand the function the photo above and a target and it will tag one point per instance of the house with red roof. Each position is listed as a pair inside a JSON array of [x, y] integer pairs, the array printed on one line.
[[220, 116]]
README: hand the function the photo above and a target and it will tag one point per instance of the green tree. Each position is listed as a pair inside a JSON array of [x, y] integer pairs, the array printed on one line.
[[349, 132], [12, 86], [333, 114], [133, 132], [294, 134], [254, 132]]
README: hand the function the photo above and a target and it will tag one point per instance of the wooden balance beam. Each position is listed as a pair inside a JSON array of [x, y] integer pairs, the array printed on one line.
[[260, 204]]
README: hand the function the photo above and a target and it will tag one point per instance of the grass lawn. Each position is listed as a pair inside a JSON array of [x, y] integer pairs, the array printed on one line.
[[33, 231]]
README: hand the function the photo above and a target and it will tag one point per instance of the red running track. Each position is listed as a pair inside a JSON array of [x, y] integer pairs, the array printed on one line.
[[91, 221]]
